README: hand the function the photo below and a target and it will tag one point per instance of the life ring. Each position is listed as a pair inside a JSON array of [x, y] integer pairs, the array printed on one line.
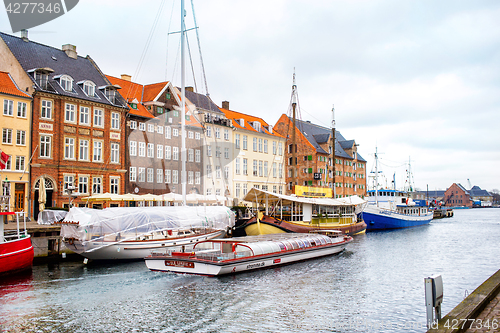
[[71, 241]]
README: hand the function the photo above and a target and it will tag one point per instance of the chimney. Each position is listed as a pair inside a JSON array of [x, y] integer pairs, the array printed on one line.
[[24, 35], [127, 77], [190, 89], [70, 50], [225, 105]]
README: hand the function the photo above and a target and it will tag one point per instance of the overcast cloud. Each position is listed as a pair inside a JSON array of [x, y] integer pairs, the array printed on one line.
[[418, 79]]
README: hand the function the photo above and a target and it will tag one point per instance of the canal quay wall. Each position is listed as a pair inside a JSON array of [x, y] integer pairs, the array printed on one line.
[[46, 239], [478, 312]]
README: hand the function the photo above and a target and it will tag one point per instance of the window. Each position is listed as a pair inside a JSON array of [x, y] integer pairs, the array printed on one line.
[[265, 168], [245, 189], [197, 156], [7, 136], [209, 170], [151, 128], [46, 111], [217, 151], [175, 176], [190, 177], [84, 115], [97, 151], [274, 147], [280, 170], [69, 180], [19, 163], [21, 109], [70, 113], [89, 88], [265, 146], [274, 188], [226, 153], [209, 131], [159, 129], [260, 169], [142, 149], [96, 185], [98, 117], [45, 146], [260, 145], [217, 172], [133, 124], [151, 150], [255, 144], [245, 166], [175, 131], [190, 155], [197, 136], [197, 177], [142, 175], [209, 150], [83, 184], [226, 134], [159, 176], [168, 152], [21, 138], [275, 171], [280, 148], [115, 120], [255, 167], [237, 165], [115, 153], [66, 82], [167, 176], [114, 185], [237, 191], [69, 148], [226, 172], [133, 174], [110, 94], [175, 153], [209, 191], [133, 148], [150, 175], [8, 107], [142, 127], [217, 133], [190, 135], [168, 132], [159, 150], [237, 141]]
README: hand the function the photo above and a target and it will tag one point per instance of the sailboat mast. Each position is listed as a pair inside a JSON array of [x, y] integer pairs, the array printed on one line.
[[333, 151], [294, 143], [183, 108], [376, 176]]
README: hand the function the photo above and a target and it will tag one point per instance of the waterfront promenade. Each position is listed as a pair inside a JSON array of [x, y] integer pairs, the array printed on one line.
[[478, 312]]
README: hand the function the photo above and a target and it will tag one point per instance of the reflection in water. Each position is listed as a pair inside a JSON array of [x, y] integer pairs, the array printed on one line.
[[375, 283]]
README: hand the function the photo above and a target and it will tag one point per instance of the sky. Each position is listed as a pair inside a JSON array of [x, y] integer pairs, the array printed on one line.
[[416, 80]]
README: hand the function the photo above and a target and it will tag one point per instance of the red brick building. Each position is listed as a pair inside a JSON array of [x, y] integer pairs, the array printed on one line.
[[78, 123], [457, 195], [314, 158]]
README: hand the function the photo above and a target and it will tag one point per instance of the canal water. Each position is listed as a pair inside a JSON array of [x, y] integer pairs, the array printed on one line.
[[376, 285]]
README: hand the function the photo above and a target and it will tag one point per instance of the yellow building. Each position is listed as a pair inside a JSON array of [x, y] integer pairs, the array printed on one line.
[[258, 154], [15, 123]]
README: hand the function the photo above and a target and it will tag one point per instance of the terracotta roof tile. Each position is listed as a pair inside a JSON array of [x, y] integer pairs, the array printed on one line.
[[7, 86], [247, 119], [130, 91], [152, 90]]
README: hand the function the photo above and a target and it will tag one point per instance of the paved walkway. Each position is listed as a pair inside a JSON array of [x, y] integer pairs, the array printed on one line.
[[492, 313]]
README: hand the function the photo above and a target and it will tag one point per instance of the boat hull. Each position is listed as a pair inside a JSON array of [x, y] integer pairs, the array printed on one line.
[[16, 255], [198, 267], [133, 250], [268, 225], [381, 219]]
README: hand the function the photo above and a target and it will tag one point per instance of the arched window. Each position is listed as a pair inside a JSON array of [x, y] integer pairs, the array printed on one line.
[[89, 88], [66, 82]]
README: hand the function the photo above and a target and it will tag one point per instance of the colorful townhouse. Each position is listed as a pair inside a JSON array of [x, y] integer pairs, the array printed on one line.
[[15, 121], [78, 122], [258, 154], [314, 161], [153, 139]]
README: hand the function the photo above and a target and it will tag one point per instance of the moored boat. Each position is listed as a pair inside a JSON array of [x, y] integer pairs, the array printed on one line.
[[16, 251], [288, 213], [239, 254], [131, 233]]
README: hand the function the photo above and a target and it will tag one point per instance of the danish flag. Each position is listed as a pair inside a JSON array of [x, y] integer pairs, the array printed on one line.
[[3, 159]]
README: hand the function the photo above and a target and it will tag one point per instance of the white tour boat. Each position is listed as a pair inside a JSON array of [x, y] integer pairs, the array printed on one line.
[[132, 233], [233, 255]]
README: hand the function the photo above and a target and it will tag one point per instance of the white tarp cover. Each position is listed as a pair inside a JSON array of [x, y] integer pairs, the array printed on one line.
[[143, 220], [49, 216]]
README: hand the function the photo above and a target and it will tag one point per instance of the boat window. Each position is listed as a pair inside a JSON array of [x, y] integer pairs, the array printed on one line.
[[282, 246], [301, 243], [328, 240], [392, 194], [306, 242], [288, 246], [295, 245], [322, 240]]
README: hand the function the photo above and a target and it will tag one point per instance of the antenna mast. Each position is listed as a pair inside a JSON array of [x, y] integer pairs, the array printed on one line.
[[333, 152], [294, 144]]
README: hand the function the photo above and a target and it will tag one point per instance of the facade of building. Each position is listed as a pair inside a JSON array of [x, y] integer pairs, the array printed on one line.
[[15, 121], [258, 154], [480, 197], [78, 122], [314, 159], [153, 132], [457, 195]]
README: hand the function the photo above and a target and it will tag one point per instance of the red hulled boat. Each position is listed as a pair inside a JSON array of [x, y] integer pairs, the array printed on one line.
[[16, 251]]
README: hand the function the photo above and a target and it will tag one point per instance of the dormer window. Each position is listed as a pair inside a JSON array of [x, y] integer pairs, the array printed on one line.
[[256, 125], [66, 82], [89, 88], [110, 94], [41, 76]]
